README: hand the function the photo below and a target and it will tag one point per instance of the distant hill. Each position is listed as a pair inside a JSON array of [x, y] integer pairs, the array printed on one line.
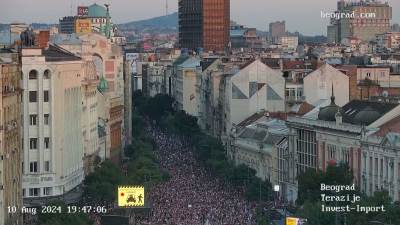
[[162, 22]]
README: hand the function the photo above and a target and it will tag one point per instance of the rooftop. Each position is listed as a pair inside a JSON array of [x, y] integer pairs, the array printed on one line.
[[55, 53], [365, 112]]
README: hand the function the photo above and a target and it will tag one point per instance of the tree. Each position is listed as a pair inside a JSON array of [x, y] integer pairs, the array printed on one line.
[[258, 190], [309, 186], [311, 180], [101, 185], [158, 107], [314, 215], [380, 198]]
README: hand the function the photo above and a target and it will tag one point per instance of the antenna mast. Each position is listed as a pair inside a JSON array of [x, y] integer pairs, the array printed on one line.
[[166, 7]]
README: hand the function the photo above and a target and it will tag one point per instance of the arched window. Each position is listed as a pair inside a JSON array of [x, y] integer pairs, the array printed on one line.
[[47, 74], [33, 75]]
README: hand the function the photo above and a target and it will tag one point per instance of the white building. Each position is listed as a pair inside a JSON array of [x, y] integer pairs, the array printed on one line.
[[380, 164], [318, 86], [255, 145], [210, 112], [388, 41], [185, 84], [289, 43], [52, 127], [90, 117], [362, 134], [251, 89]]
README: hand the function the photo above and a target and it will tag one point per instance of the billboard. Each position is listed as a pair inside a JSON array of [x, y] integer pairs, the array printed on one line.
[[131, 196], [295, 221], [83, 11], [83, 26]]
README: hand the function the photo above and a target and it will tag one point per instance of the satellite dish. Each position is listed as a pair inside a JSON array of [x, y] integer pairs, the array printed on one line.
[[385, 94]]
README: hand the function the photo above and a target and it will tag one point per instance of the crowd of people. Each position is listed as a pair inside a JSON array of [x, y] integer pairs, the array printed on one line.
[[192, 196]]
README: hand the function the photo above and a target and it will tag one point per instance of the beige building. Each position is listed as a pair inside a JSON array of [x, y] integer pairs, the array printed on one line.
[[256, 145], [109, 66], [371, 18], [250, 89], [380, 167], [185, 84], [53, 145], [388, 41], [318, 86], [210, 110], [289, 43], [90, 117], [10, 138]]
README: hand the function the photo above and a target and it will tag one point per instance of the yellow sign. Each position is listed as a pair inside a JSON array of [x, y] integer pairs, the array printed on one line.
[[291, 221], [83, 26], [131, 196]]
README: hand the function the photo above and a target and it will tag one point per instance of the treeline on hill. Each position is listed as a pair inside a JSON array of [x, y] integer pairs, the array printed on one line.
[[309, 200], [209, 151]]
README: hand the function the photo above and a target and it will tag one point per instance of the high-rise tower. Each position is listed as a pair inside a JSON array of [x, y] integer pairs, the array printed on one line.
[[204, 24]]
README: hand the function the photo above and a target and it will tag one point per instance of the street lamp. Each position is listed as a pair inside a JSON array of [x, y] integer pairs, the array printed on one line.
[[276, 190]]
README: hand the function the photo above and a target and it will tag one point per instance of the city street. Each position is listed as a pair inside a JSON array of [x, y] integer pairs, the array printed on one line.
[[192, 196]]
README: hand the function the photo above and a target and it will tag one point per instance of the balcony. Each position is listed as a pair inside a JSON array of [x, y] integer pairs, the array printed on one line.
[[368, 83]]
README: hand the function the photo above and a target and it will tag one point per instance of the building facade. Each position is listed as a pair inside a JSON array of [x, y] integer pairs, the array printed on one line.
[[10, 139], [361, 134], [371, 18], [318, 86], [249, 89], [289, 43], [204, 25], [277, 30], [90, 117], [52, 126], [67, 25], [108, 60], [185, 84]]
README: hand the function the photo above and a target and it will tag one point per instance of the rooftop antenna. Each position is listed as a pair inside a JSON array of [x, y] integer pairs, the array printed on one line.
[[166, 7]]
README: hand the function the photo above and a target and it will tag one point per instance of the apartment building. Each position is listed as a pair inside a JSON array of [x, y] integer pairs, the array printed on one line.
[[10, 137], [52, 123]]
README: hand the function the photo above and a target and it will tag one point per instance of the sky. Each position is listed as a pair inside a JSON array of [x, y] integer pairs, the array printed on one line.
[[300, 15]]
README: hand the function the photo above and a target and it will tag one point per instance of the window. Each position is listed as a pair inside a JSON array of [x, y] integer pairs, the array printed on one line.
[[46, 142], [23, 192], [331, 151], [47, 191], [47, 166], [46, 74], [33, 143], [46, 96], [32, 96], [34, 192], [33, 119], [33, 75], [46, 119], [33, 167]]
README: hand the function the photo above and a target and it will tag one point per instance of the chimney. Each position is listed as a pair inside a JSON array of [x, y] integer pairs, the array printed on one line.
[[43, 39]]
